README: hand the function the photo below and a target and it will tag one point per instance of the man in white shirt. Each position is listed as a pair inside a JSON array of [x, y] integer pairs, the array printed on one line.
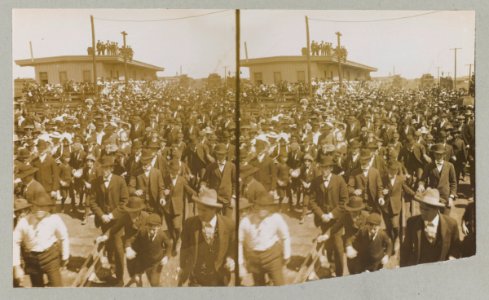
[[41, 235], [264, 242]]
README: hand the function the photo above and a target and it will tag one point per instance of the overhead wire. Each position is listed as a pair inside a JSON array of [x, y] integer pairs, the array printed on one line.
[[162, 20], [375, 20]]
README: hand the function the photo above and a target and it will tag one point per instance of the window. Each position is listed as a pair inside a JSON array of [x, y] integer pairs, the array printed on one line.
[[63, 77], [301, 76], [87, 76], [43, 77], [277, 77], [258, 78]]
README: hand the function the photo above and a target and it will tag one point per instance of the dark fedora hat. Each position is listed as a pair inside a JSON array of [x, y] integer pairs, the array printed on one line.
[[374, 218], [23, 154], [326, 161], [221, 149], [355, 204], [134, 204], [365, 154], [153, 220], [438, 148], [43, 200], [264, 199], [247, 170], [25, 170], [147, 155], [107, 161]]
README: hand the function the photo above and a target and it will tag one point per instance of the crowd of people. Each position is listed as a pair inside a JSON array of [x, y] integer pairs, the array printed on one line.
[[34, 92], [151, 163], [379, 168], [112, 49], [154, 164]]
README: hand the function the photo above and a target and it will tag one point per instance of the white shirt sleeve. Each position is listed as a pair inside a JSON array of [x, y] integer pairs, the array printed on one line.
[[61, 233], [18, 240], [241, 236], [283, 233]]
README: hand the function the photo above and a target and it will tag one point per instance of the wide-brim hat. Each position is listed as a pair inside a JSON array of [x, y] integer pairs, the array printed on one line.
[[365, 154], [43, 200], [247, 170], [326, 161], [25, 170], [220, 149], [208, 197], [147, 155], [264, 199], [107, 161], [21, 203], [438, 148], [355, 204], [430, 197], [153, 220], [134, 204], [374, 218]]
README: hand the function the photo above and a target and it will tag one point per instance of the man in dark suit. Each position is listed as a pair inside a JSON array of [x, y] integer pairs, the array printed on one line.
[[221, 176], [149, 184], [267, 173], [208, 244], [32, 188], [175, 190], [441, 175], [329, 195], [48, 171], [250, 188], [108, 196], [366, 182], [394, 188], [371, 245], [430, 236]]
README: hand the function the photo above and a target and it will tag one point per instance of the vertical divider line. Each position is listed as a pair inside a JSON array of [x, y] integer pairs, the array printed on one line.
[[237, 146]]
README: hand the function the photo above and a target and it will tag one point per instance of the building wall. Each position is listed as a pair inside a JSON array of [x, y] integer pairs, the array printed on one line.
[[75, 71], [289, 72]]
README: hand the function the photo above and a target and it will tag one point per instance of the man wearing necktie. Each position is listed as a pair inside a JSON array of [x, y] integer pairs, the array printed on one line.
[[329, 193], [207, 253], [221, 176], [108, 195], [441, 175], [430, 236], [365, 181]]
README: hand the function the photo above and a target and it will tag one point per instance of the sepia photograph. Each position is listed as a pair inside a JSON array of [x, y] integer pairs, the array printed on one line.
[[124, 155], [227, 147], [357, 142]]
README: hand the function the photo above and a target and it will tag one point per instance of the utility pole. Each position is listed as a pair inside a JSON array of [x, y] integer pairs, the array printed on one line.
[[181, 70], [340, 75], [308, 58], [246, 51], [470, 71], [32, 53], [237, 129], [125, 58], [438, 73], [93, 58], [455, 68]]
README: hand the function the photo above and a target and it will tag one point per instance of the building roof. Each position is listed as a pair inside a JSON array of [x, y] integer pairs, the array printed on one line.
[[302, 58], [84, 58]]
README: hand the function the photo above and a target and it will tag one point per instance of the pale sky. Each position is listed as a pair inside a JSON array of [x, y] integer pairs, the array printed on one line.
[[201, 45], [205, 44], [413, 46]]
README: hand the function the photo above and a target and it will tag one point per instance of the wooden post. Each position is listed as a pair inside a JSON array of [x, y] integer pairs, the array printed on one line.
[[308, 58], [340, 72], [237, 133], [93, 58], [125, 58]]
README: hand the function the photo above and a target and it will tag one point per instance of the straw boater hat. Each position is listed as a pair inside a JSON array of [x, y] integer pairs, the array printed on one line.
[[430, 197], [208, 197], [134, 204], [355, 204]]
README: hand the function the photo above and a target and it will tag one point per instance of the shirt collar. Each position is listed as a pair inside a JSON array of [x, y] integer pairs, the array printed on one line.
[[213, 221], [435, 221], [108, 178]]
